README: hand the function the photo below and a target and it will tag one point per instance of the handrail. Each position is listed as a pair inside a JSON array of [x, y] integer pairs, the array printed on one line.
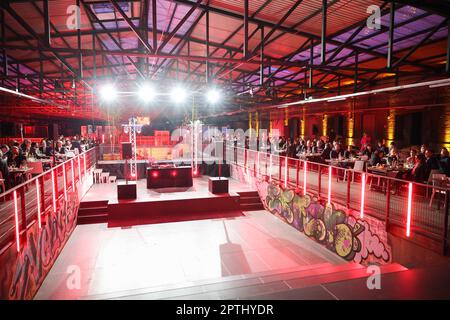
[[43, 173], [412, 209], [16, 208], [340, 168]]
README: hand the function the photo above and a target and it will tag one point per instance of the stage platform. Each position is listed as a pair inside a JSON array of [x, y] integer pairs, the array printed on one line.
[[100, 204]]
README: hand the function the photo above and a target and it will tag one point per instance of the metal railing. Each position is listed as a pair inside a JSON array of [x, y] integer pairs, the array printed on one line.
[[415, 207], [31, 201]]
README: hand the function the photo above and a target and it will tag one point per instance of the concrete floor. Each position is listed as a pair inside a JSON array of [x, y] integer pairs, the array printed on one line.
[[113, 263]]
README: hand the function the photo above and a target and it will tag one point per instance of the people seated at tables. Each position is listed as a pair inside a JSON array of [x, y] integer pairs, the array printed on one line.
[[376, 158], [60, 150], [411, 160], [393, 158], [431, 161], [367, 151], [76, 144], [350, 152], [392, 146], [4, 171], [5, 151], [15, 158], [444, 161], [326, 152], [45, 149], [423, 148], [292, 146], [381, 146], [301, 147], [337, 152], [33, 150], [26, 146], [319, 147], [419, 173]]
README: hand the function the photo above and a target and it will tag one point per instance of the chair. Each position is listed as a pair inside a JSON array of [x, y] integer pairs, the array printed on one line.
[[359, 166], [97, 175], [430, 178], [437, 180], [36, 167], [105, 177]]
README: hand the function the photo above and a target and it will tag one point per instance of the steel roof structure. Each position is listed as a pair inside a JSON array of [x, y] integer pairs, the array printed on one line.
[[260, 51]]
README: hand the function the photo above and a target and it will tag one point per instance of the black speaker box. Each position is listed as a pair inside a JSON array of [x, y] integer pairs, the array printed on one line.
[[126, 191], [218, 185], [127, 150]]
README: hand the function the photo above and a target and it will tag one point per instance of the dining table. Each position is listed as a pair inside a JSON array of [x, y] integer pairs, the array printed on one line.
[[18, 174]]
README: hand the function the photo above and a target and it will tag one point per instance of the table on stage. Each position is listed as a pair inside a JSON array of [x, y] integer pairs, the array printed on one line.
[[169, 176], [117, 168]]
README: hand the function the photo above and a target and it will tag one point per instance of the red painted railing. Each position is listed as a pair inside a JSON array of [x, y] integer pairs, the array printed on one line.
[[30, 202], [419, 209]]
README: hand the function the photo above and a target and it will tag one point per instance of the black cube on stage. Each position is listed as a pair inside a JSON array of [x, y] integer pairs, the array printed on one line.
[[126, 191], [127, 150], [218, 185]]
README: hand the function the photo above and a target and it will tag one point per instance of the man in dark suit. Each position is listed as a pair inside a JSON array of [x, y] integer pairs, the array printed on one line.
[[4, 171], [431, 162]]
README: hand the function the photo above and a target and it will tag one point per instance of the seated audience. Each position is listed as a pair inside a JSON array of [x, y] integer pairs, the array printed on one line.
[[326, 152], [411, 160], [5, 151], [381, 146], [444, 161], [350, 152], [431, 162], [15, 158], [376, 158], [337, 152], [367, 151], [419, 172]]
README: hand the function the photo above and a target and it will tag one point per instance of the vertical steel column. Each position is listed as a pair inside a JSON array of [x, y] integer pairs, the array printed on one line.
[[323, 51], [447, 64], [154, 26], [47, 39], [246, 6], [311, 62], [391, 35], [355, 80], [261, 67], [207, 46], [4, 56], [80, 55]]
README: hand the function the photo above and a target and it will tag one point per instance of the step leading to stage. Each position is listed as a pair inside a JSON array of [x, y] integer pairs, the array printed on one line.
[[140, 212]]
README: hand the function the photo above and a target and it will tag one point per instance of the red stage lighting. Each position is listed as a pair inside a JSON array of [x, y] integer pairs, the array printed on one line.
[[155, 174], [173, 173]]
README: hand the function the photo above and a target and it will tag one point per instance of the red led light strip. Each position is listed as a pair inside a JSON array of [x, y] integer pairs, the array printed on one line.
[[408, 217], [16, 220]]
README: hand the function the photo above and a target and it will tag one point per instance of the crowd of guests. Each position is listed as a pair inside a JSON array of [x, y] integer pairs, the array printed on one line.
[[418, 164], [17, 155]]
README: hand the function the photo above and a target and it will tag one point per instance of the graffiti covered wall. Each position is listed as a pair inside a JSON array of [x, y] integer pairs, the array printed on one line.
[[351, 238], [22, 273], [363, 241]]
